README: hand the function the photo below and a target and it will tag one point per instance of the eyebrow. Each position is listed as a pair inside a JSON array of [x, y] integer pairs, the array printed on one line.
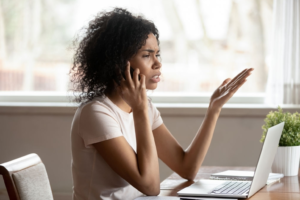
[[151, 50]]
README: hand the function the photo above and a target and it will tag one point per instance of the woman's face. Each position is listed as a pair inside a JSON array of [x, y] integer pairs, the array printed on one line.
[[147, 60]]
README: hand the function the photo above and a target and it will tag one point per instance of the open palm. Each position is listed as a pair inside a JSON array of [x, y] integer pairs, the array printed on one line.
[[227, 89]]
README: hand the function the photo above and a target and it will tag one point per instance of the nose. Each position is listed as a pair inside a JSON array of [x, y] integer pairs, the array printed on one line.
[[157, 64]]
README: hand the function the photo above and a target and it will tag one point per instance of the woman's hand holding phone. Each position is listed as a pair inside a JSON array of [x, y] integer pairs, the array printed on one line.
[[227, 89], [133, 89], [131, 73]]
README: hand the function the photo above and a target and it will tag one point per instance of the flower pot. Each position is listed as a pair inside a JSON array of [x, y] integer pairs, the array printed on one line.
[[287, 160]]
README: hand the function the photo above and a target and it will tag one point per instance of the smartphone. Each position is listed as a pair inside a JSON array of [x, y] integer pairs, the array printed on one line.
[[131, 73]]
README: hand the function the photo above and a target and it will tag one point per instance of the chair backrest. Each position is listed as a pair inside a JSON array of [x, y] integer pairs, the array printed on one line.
[[26, 178]]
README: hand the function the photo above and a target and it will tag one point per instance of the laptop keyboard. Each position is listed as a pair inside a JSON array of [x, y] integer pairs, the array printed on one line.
[[232, 187]]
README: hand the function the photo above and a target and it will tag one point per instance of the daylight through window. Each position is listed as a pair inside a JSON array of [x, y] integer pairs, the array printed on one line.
[[203, 42]]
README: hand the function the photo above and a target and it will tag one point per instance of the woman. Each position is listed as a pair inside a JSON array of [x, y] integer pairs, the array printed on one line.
[[117, 133]]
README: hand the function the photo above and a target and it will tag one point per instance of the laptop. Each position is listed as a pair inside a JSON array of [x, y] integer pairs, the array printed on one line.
[[241, 189]]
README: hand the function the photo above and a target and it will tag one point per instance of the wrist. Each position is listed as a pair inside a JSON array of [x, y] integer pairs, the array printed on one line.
[[214, 110], [139, 110], [140, 115]]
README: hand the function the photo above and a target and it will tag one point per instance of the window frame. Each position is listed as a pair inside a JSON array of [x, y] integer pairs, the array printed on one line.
[[157, 97]]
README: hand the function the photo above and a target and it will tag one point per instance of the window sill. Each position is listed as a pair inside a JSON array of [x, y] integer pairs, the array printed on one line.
[[166, 109]]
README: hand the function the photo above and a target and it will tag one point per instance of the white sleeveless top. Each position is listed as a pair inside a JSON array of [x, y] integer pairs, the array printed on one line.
[[96, 121]]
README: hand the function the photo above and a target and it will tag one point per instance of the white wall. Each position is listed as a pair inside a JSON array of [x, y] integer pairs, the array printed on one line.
[[235, 141]]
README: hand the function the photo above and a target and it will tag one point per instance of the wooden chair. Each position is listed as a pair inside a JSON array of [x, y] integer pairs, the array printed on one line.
[[26, 178]]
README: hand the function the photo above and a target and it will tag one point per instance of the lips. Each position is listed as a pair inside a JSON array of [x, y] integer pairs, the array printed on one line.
[[158, 74], [155, 78]]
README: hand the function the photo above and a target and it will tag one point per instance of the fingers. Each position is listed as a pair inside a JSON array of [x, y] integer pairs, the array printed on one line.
[[136, 75], [226, 81], [241, 76], [127, 73], [234, 85], [236, 79], [234, 89]]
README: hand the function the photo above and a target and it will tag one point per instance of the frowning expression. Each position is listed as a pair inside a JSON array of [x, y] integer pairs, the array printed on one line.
[[147, 59]]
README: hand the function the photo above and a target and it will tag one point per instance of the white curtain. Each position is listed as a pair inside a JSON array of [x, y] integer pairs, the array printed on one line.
[[283, 86]]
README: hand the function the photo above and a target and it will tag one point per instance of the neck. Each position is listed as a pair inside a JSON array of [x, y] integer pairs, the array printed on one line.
[[119, 101]]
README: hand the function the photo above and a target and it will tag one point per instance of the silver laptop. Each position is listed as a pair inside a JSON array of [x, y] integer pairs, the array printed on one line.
[[241, 189]]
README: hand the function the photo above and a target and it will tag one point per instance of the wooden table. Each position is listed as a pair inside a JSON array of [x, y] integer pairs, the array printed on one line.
[[285, 189]]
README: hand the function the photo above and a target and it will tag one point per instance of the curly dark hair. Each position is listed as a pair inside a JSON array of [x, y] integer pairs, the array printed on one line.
[[110, 40]]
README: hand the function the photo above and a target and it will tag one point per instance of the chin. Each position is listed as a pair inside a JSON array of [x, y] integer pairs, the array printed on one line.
[[151, 86]]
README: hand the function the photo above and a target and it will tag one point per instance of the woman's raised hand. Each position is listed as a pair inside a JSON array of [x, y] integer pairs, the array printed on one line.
[[227, 89], [133, 91]]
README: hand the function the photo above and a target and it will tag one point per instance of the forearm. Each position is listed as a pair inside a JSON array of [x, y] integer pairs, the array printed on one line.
[[197, 150], [147, 158]]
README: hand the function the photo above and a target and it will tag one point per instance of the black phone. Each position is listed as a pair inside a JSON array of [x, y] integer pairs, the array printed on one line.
[[131, 73]]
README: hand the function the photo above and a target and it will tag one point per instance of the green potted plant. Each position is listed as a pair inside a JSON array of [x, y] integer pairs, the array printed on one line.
[[288, 153]]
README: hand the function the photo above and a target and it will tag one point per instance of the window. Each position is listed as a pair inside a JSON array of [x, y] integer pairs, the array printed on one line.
[[203, 42]]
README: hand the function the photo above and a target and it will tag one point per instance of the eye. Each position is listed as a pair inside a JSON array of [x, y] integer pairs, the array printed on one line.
[[158, 55], [146, 56]]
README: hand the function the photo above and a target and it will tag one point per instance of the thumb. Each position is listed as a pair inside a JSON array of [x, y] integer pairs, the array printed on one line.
[[226, 81]]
